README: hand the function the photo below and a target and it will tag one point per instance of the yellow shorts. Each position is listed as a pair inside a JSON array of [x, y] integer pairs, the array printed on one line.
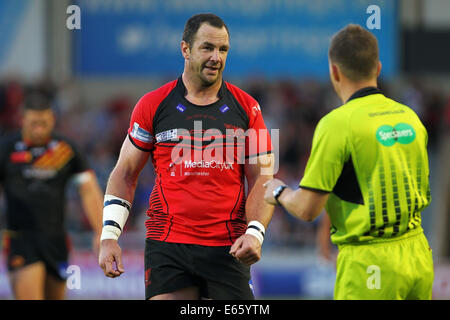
[[399, 268]]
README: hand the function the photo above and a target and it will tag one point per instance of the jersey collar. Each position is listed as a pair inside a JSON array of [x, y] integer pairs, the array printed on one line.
[[182, 88], [364, 92]]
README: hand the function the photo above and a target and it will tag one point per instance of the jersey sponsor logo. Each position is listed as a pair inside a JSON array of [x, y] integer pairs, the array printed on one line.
[[256, 109], [402, 133], [181, 108], [233, 128], [148, 274], [54, 158], [224, 108], [62, 267], [240, 147], [38, 173], [208, 164], [167, 135], [376, 114], [21, 157], [141, 134], [250, 284], [20, 146]]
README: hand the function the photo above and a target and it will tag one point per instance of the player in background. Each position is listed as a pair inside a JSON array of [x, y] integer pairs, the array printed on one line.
[[36, 165], [203, 230], [326, 250], [369, 168]]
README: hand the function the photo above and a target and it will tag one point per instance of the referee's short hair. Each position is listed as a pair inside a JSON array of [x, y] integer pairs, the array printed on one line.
[[194, 23], [355, 50]]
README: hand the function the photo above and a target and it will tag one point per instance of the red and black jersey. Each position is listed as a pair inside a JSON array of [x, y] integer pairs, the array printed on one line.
[[198, 153]]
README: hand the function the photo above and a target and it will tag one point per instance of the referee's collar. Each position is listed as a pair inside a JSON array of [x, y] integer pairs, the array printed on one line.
[[364, 92]]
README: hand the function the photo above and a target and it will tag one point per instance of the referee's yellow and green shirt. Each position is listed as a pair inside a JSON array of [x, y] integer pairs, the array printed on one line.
[[371, 155]]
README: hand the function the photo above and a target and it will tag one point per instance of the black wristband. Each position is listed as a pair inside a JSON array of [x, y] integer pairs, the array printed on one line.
[[256, 228], [277, 193], [117, 201]]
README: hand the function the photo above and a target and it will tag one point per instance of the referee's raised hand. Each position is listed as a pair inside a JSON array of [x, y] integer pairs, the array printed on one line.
[[110, 258]]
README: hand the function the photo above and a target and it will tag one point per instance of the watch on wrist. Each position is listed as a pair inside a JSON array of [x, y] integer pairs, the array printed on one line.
[[277, 193]]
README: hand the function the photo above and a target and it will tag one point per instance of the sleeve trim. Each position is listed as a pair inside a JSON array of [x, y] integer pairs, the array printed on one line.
[[259, 154], [314, 189], [140, 148]]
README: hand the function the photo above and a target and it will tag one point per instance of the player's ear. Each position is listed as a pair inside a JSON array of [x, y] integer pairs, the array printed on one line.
[[379, 68], [335, 72], [185, 50]]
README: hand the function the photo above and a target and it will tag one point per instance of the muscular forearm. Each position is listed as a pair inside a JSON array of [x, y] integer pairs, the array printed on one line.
[[122, 184], [302, 204], [92, 199], [256, 208], [247, 248], [291, 202]]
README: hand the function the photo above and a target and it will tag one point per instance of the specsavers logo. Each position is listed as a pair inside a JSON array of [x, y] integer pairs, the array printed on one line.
[[402, 133]]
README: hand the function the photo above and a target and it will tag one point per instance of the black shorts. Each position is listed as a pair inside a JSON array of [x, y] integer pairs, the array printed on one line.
[[173, 266], [24, 248]]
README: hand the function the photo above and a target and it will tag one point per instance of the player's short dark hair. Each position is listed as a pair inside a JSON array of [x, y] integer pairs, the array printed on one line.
[[194, 23], [37, 102], [355, 50]]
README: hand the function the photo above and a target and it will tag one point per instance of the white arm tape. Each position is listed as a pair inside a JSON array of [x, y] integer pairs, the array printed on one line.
[[255, 233], [82, 177], [116, 213], [258, 232]]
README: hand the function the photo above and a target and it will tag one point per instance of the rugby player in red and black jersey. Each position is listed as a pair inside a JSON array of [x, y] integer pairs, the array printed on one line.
[[36, 166], [206, 139]]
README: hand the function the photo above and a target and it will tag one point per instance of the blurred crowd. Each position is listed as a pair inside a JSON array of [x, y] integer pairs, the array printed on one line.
[[295, 106]]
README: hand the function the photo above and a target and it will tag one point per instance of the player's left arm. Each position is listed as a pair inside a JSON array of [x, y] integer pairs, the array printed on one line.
[[304, 204], [247, 248], [92, 201]]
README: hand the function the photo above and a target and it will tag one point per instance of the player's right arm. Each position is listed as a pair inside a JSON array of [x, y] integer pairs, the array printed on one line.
[[123, 179], [120, 188]]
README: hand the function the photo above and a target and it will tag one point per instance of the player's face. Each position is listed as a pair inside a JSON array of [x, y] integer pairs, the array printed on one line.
[[37, 126], [209, 53]]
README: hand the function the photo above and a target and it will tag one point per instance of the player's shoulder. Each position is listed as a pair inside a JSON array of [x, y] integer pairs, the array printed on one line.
[[242, 96], [335, 123], [247, 102], [397, 107], [155, 97], [61, 139], [58, 136], [401, 106], [335, 117]]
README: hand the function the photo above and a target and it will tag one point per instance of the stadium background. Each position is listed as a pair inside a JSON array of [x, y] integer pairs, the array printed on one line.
[[94, 76]]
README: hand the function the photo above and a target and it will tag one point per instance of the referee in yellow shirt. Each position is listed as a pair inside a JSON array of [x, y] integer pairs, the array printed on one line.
[[369, 168]]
